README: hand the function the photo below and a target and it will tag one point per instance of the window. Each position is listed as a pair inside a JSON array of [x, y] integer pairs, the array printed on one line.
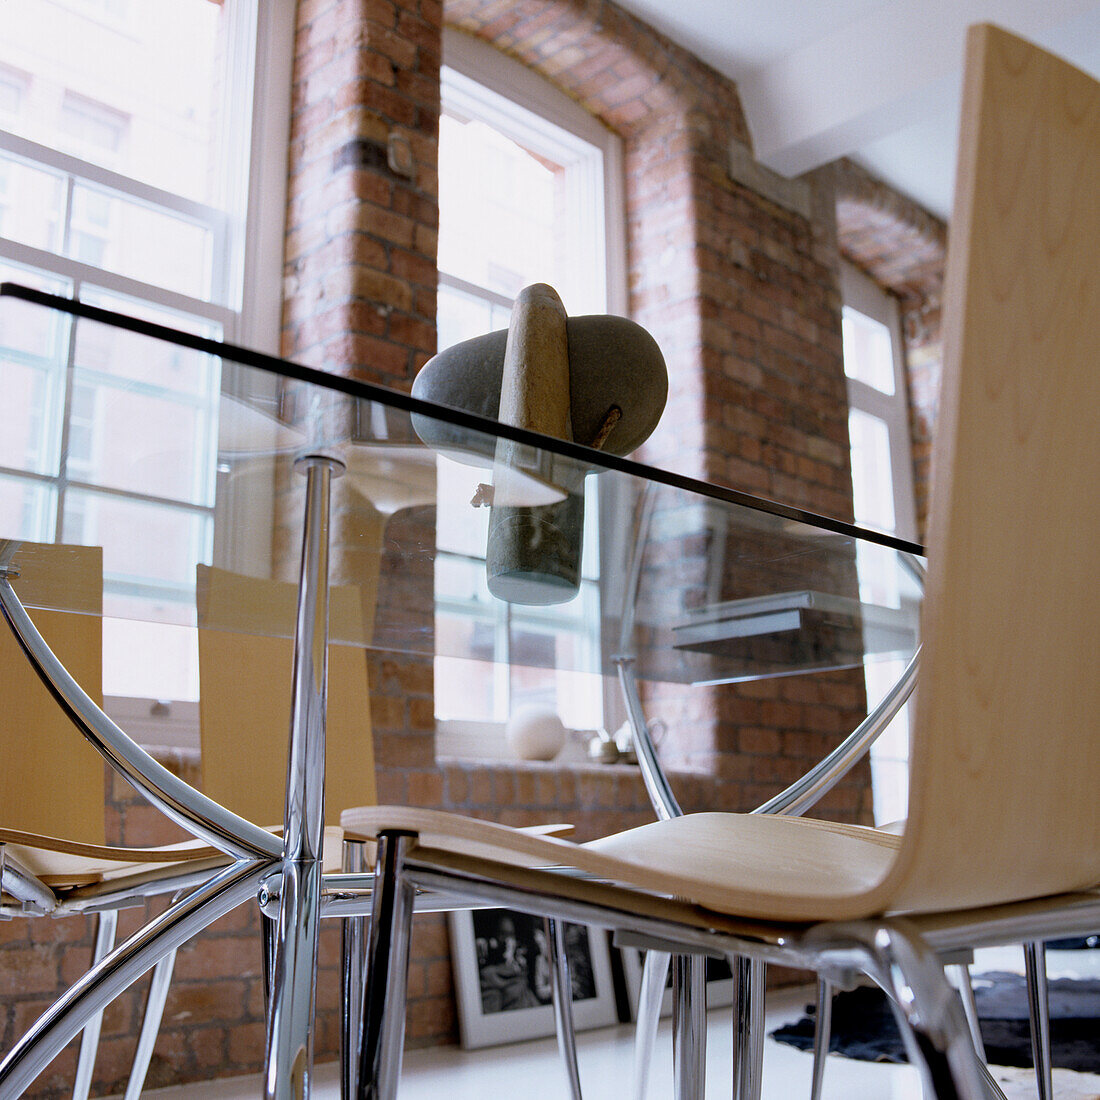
[[125, 182], [91, 130], [882, 487], [13, 88], [529, 192]]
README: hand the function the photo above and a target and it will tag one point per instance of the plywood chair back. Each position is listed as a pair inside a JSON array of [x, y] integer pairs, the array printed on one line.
[[51, 780], [245, 658], [1005, 763]]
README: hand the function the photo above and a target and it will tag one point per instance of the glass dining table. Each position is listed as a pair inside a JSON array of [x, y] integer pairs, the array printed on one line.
[[515, 567]]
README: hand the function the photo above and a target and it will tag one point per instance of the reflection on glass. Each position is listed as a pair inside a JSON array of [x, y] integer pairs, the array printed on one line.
[[135, 240], [150, 660], [28, 509], [134, 88], [172, 460], [461, 316], [148, 550]]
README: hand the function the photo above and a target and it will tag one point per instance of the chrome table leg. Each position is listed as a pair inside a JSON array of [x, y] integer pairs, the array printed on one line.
[[289, 1057]]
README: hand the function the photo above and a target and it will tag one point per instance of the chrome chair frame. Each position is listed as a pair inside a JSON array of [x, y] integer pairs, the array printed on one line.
[[24, 895], [902, 955], [288, 867], [284, 874]]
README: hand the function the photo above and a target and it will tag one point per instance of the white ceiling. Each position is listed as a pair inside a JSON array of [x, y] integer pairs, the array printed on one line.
[[874, 80]]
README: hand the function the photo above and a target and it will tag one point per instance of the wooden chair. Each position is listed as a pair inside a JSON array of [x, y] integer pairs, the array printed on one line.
[[246, 626], [1002, 842], [52, 846]]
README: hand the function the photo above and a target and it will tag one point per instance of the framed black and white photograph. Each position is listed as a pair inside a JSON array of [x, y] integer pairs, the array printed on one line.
[[502, 976], [719, 982]]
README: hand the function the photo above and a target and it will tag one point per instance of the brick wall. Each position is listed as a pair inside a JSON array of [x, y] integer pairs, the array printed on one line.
[[361, 238], [733, 270], [735, 277]]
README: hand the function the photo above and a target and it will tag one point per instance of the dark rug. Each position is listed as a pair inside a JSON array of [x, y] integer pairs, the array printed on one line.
[[864, 1028]]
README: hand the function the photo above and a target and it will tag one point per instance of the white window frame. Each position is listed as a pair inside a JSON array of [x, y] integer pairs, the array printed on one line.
[[245, 300], [528, 101], [863, 294], [246, 292], [525, 107], [889, 754]]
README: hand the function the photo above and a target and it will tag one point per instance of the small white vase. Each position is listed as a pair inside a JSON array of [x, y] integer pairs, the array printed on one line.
[[535, 733]]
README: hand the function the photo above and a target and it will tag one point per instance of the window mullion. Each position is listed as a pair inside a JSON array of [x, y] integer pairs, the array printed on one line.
[[67, 216], [68, 381]]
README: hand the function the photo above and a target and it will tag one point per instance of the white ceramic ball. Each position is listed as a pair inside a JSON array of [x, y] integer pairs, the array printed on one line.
[[535, 733]]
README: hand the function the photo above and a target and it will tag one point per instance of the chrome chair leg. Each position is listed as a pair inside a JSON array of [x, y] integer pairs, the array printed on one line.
[[823, 1033], [824, 1019], [150, 1024], [928, 1011], [748, 1028], [269, 930], [1038, 1005], [65, 1018], [562, 985], [650, 996], [383, 1012], [970, 1006], [106, 924], [353, 968], [689, 1026]]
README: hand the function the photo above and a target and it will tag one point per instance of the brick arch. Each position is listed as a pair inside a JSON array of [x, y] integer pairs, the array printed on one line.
[[618, 69], [894, 240]]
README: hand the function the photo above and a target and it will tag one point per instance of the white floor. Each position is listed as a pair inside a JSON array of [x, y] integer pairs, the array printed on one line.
[[532, 1069]]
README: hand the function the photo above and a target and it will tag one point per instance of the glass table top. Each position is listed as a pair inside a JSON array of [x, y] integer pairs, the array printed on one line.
[[453, 538]]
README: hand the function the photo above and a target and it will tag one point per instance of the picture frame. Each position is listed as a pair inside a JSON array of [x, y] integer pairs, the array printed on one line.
[[719, 982], [502, 977]]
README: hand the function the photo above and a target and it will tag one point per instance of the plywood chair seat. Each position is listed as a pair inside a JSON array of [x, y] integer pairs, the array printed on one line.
[[63, 863], [752, 865]]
